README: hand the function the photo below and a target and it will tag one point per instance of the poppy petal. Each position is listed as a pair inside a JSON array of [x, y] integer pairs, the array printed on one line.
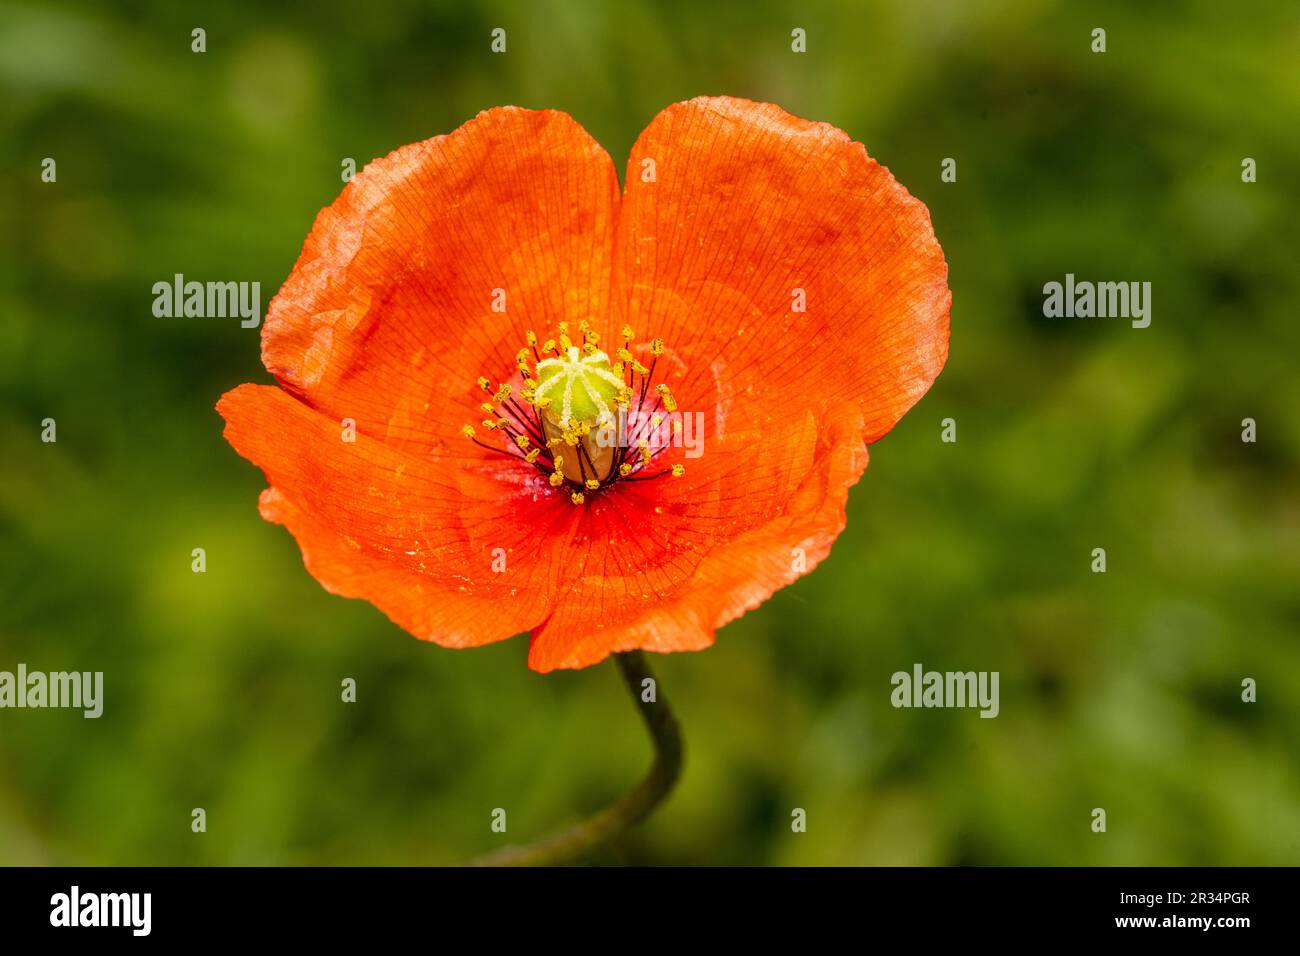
[[432, 263], [437, 547], [736, 215], [662, 569]]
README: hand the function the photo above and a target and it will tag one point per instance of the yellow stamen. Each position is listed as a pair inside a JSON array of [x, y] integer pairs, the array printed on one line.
[[579, 397]]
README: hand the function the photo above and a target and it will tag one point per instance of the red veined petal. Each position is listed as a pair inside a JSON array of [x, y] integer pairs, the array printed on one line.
[[749, 205], [388, 317], [414, 537], [661, 566]]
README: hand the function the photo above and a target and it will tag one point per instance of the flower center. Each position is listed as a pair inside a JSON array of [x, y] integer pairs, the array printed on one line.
[[578, 389], [581, 420]]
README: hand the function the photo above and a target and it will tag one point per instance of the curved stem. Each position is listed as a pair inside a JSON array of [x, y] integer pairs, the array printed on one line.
[[570, 844]]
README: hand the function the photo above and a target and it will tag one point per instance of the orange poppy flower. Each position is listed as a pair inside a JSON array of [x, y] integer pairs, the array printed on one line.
[[515, 398]]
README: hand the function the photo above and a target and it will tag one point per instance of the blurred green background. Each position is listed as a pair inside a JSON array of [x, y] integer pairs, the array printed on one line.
[[1119, 690]]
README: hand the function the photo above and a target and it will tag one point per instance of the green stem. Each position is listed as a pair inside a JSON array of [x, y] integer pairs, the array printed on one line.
[[580, 839]]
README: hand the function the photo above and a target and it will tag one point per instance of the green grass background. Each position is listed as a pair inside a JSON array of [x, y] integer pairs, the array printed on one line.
[[1119, 690]]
